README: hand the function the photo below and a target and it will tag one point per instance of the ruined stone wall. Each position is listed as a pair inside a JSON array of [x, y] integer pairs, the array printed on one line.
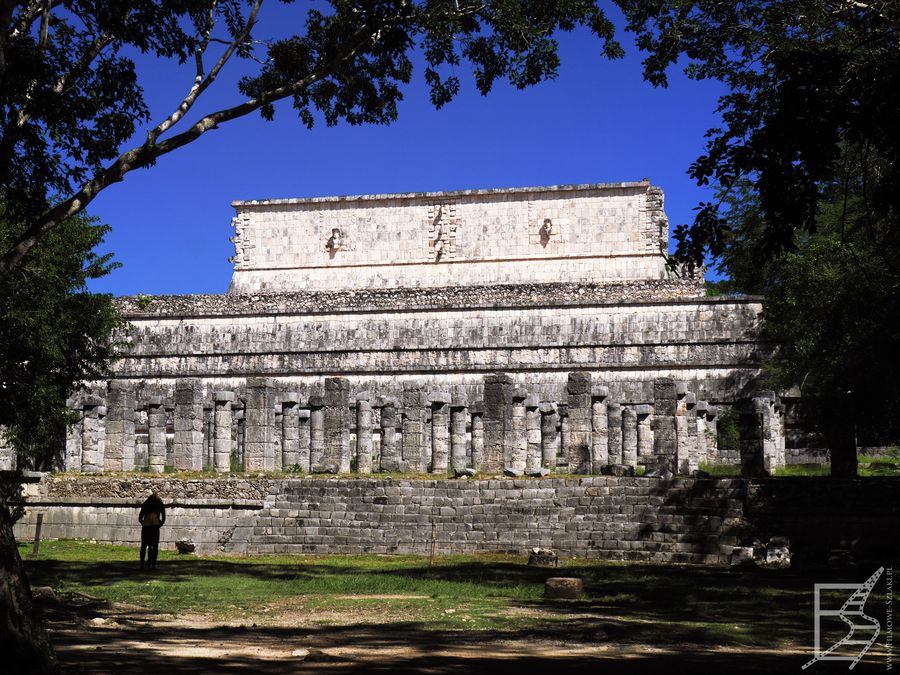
[[380, 341], [472, 237], [640, 519]]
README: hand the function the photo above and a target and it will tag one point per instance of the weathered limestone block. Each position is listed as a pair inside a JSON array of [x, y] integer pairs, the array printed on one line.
[[686, 433], [629, 436], [316, 434], [476, 410], [533, 456], [440, 431], [644, 414], [290, 431], [259, 423], [91, 452], [563, 588], [459, 417], [517, 444], [156, 434], [549, 434], [119, 453], [772, 432], [390, 452], [579, 449], [614, 432], [498, 391], [222, 431], [237, 412], [363, 433], [414, 458], [599, 429], [664, 436], [337, 425]]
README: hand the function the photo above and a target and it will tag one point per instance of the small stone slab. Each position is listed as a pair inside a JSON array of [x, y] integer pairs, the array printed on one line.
[[513, 473], [543, 557], [563, 588], [467, 472], [538, 473]]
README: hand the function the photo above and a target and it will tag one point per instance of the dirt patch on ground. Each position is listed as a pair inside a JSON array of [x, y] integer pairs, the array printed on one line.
[[93, 636]]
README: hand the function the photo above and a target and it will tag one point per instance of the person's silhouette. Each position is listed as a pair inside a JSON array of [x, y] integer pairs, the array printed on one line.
[[152, 517]]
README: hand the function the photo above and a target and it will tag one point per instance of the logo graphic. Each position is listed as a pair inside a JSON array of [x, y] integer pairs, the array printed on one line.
[[864, 630]]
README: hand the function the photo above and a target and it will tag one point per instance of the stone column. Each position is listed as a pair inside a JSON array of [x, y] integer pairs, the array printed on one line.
[[533, 454], [170, 436], [389, 459], [664, 439], [681, 429], [440, 431], [259, 422], [188, 425], [337, 425], [141, 441], [614, 432], [363, 433], [119, 454], [579, 450], [458, 420], [290, 430], [629, 436], [498, 390], [712, 434], [8, 459], [517, 439], [303, 439], [564, 433], [599, 429], [770, 432], [237, 413], [73, 440], [779, 427], [317, 434], [549, 434], [702, 454], [476, 410], [750, 427], [644, 414], [222, 431], [156, 434], [414, 459], [209, 434], [277, 429], [91, 457]]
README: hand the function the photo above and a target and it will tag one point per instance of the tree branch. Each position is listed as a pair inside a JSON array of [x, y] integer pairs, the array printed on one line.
[[202, 83], [147, 153]]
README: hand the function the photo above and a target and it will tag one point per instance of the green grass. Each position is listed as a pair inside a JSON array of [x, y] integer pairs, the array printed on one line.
[[662, 603]]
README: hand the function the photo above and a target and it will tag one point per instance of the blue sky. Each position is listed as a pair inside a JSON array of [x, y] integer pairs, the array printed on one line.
[[597, 122]]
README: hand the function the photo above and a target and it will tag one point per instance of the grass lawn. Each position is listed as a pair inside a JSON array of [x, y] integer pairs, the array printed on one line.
[[664, 604]]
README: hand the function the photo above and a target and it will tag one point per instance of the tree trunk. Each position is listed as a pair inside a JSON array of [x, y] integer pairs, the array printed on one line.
[[26, 646], [841, 420]]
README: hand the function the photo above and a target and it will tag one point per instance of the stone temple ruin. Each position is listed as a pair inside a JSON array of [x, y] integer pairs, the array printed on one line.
[[486, 332], [520, 330]]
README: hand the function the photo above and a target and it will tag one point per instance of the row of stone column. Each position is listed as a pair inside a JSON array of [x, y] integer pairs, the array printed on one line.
[[424, 431]]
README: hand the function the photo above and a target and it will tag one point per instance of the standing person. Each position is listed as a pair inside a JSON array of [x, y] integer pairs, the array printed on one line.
[[152, 517]]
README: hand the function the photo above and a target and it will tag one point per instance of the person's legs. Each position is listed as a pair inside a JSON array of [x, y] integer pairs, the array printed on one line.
[[154, 547], [144, 545]]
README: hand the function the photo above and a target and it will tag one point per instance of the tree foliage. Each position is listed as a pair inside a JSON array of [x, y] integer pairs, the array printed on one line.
[[54, 334], [805, 78], [70, 93]]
